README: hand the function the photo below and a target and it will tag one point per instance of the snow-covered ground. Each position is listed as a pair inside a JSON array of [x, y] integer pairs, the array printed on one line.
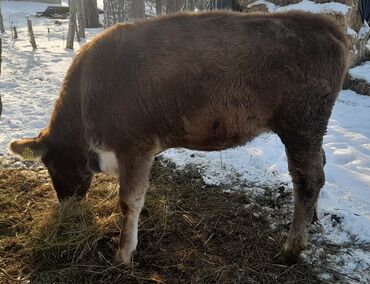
[[361, 72], [306, 5], [29, 85]]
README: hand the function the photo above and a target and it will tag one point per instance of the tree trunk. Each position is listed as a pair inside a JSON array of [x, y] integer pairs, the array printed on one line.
[[137, 9], [1, 23], [81, 22], [114, 12], [201, 5], [170, 6], [72, 24], [158, 7], [190, 5], [78, 37], [1, 51], [179, 5], [90, 13], [174, 6]]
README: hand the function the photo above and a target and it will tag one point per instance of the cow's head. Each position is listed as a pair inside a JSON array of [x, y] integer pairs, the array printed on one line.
[[68, 169]]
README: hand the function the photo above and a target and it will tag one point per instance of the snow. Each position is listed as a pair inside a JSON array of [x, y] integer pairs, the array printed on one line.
[[347, 147], [351, 32], [307, 5], [364, 30], [31, 80], [261, 163], [361, 72], [16, 16]]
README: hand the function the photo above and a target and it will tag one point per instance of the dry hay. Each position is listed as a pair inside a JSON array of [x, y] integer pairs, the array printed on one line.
[[189, 233]]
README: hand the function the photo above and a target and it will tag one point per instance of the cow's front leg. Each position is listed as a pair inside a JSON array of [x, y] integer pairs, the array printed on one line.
[[134, 170], [306, 169]]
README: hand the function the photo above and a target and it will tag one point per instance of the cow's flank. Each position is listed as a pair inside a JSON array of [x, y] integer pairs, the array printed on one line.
[[206, 81]]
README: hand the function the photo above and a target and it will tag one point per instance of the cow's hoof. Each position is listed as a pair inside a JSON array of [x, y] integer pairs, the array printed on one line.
[[287, 258], [122, 257]]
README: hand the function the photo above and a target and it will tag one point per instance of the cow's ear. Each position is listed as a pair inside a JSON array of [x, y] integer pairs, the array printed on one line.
[[29, 148]]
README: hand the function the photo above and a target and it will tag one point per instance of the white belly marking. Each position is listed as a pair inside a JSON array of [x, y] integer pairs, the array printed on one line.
[[107, 162]]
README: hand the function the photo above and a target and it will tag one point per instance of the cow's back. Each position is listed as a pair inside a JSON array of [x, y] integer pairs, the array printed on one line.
[[207, 81]]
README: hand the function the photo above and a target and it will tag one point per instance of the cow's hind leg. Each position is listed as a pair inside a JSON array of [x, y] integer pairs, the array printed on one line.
[[306, 169], [301, 126], [134, 170], [315, 218]]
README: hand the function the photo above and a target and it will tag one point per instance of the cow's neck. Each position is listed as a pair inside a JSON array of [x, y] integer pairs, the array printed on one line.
[[66, 129]]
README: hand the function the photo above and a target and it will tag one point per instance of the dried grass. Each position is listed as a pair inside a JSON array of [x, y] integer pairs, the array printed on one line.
[[189, 233]]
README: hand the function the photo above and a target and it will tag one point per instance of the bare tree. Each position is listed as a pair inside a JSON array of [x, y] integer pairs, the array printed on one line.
[[90, 13], [173, 6], [170, 6], [202, 5], [115, 12], [180, 5], [1, 22], [137, 9], [78, 37], [80, 19], [1, 51], [72, 24], [158, 7], [190, 5]]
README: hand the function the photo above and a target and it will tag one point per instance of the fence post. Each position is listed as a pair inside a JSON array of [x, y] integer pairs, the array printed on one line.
[[31, 34], [15, 33]]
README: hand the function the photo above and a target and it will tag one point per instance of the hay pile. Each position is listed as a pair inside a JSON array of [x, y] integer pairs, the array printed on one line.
[[189, 233]]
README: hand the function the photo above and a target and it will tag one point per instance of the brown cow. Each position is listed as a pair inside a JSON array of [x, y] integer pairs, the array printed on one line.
[[206, 81]]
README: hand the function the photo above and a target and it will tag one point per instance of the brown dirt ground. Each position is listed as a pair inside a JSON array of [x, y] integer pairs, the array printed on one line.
[[189, 233]]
